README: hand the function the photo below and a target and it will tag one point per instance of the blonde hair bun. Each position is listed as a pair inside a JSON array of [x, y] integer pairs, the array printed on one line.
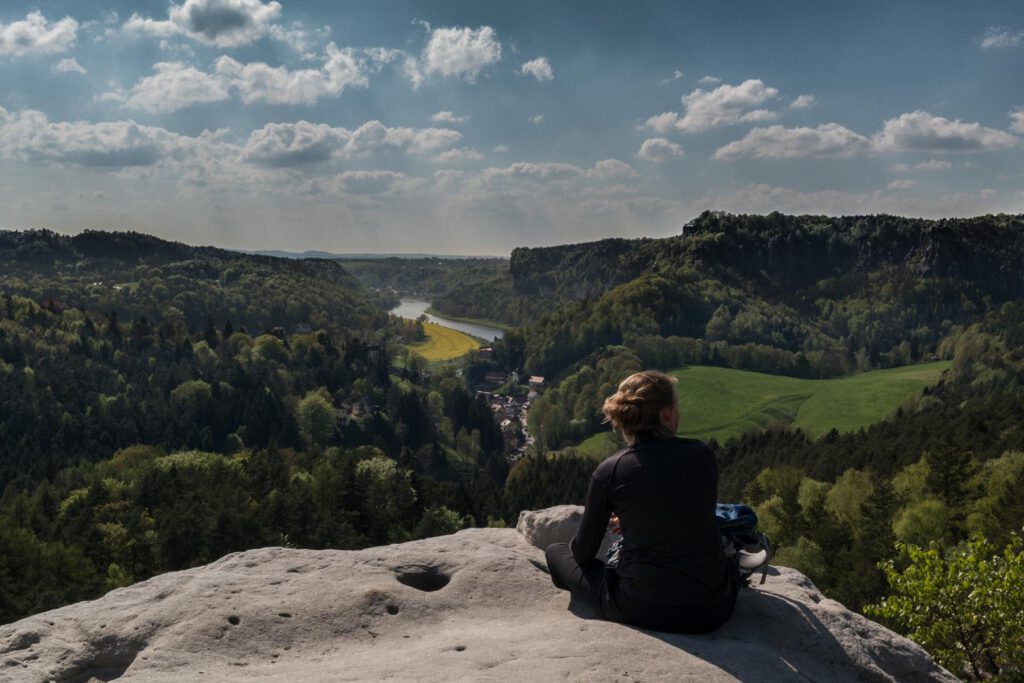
[[635, 408]]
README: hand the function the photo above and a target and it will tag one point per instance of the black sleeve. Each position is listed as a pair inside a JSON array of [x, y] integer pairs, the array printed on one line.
[[587, 540], [713, 467]]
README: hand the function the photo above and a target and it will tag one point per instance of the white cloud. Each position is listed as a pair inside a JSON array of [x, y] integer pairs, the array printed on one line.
[[175, 86], [460, 52], [374, 183], [709, 80], [934, 165], [1001, 37], [778, 142], [29, 136], [272, 159], [68, 66], [501, 149], [659, 150], [901, 184], [1017, 120], [413, 71], [675, 77], [930, 165], [302, 142], [919, 131], [530, 173], [524, 179], [803, 102], [539, 68], [35, 35], [294, 144], [459, 155], [223, 23], [374, 136], [611, 169], [305, 41], [537, 119], [662, 123], [260, 82], [376, 58], [725, 105], [445, 116], [987, 193]]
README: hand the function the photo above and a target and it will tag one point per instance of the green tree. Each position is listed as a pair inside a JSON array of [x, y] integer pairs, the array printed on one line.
[[845, 498], [922, 522], [267, 347], [805, 556], [965, 606], [439, 521], [193, 396], [315, 417], [387, 497], [949, 470]]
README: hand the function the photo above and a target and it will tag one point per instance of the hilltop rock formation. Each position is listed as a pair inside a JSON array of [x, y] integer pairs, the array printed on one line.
[[477, 605]]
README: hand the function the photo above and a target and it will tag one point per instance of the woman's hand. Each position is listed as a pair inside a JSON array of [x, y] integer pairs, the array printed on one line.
[[614, 522]]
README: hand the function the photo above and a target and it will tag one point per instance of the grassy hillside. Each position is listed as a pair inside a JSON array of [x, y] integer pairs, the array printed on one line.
[[443, 343], [721, 402]]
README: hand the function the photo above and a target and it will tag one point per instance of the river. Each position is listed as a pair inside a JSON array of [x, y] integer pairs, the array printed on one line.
[[414, 308]]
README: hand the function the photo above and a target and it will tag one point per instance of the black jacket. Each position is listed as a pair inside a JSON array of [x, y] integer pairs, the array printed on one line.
[[664, 491]]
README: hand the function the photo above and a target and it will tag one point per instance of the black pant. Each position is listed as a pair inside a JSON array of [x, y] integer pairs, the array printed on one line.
[[611, 596]]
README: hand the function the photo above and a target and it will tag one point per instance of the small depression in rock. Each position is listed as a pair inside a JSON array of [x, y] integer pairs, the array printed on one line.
[[285, 615], [234, 621], [423, 578], [392, 609]]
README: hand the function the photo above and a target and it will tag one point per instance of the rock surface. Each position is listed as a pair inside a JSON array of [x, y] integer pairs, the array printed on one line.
[[474, 606]]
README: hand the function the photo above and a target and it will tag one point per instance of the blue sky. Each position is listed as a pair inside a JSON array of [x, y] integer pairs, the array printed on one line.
[[476, 127]]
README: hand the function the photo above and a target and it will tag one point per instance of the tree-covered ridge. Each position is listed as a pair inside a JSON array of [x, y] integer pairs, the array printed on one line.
[[427, 277], [848, 294], [133, 275], [579, 271], [869, 282]]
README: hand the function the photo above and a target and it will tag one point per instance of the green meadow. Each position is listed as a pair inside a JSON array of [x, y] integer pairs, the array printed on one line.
[[721, 402]]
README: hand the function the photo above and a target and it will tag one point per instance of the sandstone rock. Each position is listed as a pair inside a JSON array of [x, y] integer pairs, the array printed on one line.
[[474, 606], [555, 525]]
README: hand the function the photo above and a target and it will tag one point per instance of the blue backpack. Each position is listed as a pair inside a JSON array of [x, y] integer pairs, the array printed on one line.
[[742, 542]]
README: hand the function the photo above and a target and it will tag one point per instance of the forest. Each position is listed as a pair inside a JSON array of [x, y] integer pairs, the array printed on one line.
[[161, 404]]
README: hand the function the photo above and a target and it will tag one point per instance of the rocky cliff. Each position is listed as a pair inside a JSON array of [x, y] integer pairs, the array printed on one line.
[[477, 605]]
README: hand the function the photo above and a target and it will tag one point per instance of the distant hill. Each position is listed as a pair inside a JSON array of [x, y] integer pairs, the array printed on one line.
[[346, 256], [132, 274], [828, 285]]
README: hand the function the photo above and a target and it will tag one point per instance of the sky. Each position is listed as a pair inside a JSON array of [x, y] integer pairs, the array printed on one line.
[[475, 127]]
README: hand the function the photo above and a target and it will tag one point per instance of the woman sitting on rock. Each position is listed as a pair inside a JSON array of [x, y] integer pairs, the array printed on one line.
[[672, 574]]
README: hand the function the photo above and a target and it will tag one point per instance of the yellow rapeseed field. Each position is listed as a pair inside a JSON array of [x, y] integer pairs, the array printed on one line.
[[443, 343]]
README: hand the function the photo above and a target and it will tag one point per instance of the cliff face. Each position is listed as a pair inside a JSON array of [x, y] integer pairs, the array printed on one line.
[[788, 252], [473, 606]]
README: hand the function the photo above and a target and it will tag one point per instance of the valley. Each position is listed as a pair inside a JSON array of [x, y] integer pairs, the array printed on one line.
[[161, 405]]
